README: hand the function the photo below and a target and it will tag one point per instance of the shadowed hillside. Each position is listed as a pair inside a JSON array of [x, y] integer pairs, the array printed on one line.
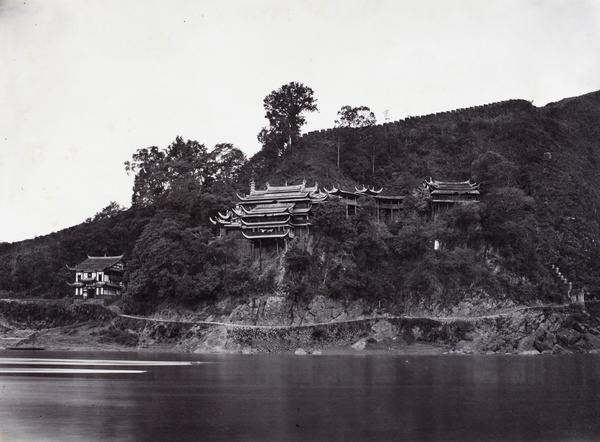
[[538, 173], [546, 158]]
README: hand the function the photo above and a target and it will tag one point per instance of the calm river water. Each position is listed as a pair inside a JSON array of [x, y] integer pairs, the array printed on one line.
[[140, 396]]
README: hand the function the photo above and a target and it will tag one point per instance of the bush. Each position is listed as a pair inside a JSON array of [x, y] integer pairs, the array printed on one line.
[[115, 335]]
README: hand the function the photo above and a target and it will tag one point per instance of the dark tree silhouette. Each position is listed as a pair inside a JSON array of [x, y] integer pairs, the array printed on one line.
[[285, 108], [360, 116]]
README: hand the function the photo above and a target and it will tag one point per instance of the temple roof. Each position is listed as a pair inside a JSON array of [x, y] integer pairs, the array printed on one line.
[[452, 186], [368, 191], [266, 222], [274, 209], [455, 192], [283, 193], [452, 191], [96, 263], [265, 234], [365, 191]]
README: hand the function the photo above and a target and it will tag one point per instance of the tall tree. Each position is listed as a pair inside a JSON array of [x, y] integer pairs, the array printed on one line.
[[226, 161], [360, 116], [285, 108], [149, 181], [183, 165]]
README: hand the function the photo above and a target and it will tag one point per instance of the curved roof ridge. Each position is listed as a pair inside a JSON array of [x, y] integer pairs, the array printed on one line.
[[96, 263]]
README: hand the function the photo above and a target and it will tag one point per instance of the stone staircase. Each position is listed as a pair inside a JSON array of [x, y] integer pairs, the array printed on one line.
[[574, 296]]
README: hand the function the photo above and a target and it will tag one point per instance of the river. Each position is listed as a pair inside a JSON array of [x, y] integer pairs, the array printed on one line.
[[77, 396]]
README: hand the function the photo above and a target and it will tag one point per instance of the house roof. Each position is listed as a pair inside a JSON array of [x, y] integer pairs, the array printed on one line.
[[96, 263]]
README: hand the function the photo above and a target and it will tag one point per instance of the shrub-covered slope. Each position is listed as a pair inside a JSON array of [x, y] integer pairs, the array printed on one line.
[[538, 169], [538, 173]]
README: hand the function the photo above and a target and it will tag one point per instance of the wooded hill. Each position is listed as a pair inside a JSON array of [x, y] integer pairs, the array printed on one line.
[[538, 169]]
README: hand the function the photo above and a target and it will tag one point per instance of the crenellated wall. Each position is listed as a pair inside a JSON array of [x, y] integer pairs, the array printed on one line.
[[486, 110]]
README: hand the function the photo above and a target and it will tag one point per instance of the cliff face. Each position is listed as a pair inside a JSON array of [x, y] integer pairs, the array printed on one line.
[[345, 329]]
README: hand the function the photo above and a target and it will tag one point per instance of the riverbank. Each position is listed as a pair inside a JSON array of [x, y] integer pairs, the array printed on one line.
[[86, 327]]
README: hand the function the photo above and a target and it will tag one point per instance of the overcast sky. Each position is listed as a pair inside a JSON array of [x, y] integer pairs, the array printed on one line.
[[84, 84]]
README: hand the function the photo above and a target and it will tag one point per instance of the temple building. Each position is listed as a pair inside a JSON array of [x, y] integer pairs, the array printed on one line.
[[274, 214], [278, 213], [99, 277], [385, 208], [445, 194]]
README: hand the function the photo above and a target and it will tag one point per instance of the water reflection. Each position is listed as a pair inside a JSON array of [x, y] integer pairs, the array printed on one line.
[[261, 397]]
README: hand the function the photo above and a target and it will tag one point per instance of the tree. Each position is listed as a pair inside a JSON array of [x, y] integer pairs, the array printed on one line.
[[149, 180], [226, 161], [109, 211], [169, 262], [493, 170], [285, 108], [183, 165], [360, 116]]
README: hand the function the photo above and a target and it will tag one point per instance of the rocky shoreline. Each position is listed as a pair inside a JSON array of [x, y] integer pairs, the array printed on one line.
[[522, 330]]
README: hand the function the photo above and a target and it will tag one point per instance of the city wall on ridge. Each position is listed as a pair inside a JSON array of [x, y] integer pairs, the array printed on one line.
[[486, 111]]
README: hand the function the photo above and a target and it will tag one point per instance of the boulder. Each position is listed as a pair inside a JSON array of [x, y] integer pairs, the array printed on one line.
[[546, 343], [567, 337], [215, 341], [383, 330], [526, 345], [300, 352], [463, 347], [591, 342], [360, 344], [560, 350]]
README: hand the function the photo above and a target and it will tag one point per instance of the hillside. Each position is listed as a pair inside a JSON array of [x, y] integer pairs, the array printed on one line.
[[538, 173], [544, 157]]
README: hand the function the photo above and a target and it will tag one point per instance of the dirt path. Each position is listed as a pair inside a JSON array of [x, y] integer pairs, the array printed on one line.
[[444, 319]]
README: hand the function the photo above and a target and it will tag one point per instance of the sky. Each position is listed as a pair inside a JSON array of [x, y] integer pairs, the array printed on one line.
[[83, 85]]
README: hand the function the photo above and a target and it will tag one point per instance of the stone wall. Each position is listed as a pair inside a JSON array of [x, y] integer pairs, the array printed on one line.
[[488, 111]]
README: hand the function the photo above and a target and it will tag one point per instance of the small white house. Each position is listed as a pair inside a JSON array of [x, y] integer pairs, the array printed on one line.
[[99, 277]]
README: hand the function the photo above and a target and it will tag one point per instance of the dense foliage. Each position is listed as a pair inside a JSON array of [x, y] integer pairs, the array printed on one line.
[[538, 173], [176, 190], [182, 166], [285, 108], [397, 262], [360, 116]]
